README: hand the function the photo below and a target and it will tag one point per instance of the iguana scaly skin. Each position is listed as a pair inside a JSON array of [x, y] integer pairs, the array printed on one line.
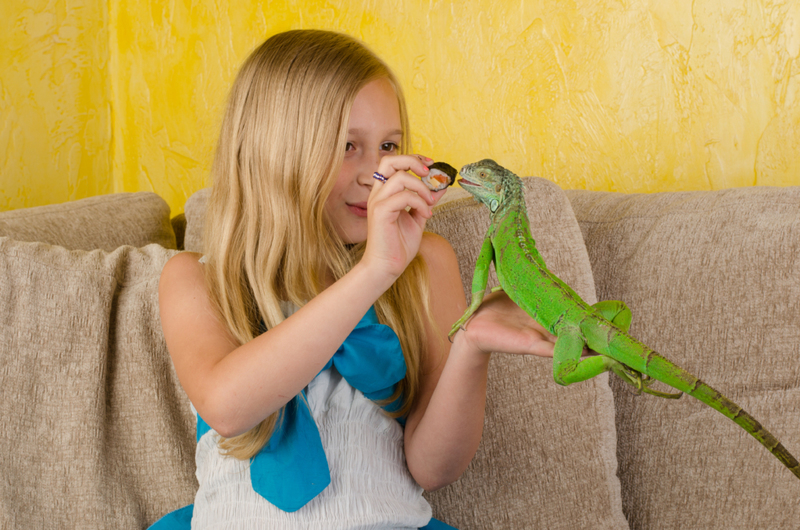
[[602, 327]]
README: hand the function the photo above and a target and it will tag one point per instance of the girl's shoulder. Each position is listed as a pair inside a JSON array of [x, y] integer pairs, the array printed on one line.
[[184, 261], [437, 252], [182, 271]]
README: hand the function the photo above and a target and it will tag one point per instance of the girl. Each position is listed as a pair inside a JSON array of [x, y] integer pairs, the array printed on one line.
[[311, 338]]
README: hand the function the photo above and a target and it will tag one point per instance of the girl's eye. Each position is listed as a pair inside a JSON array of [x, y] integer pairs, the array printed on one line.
[[389, 146], [349, 146]]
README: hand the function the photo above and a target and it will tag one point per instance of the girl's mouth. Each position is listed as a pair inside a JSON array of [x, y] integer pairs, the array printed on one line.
[[359, 209]]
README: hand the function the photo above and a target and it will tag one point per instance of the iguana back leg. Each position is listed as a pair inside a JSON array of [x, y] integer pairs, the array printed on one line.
[[616, 312], [619, 315], [568, 367]]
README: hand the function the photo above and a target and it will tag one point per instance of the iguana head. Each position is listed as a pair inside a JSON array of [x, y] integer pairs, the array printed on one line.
[[487, 181]]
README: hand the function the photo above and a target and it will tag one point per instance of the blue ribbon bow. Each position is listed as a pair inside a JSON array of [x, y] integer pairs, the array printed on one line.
[[291, 468]]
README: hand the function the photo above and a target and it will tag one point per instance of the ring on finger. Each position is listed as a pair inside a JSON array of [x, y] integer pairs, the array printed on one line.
[[378, 176]]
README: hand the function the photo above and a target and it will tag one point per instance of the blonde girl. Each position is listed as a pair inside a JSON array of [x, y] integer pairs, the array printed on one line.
[[311, 335]]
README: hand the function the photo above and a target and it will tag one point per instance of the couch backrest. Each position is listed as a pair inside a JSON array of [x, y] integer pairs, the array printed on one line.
[[713, 281], [103, 222], [97, 432]]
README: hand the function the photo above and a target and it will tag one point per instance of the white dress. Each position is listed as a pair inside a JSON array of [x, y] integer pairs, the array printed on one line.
[[371, 487]]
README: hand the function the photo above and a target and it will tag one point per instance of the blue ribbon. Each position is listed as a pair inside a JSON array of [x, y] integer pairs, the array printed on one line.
[[291, 468]]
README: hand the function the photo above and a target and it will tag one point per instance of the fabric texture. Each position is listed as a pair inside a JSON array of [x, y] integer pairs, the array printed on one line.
[[104, 222], [96, 429], [713, 282], [547, 458], [195, 212]]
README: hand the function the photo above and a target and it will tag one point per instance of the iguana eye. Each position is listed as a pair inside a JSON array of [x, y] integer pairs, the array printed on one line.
[[483, 174]]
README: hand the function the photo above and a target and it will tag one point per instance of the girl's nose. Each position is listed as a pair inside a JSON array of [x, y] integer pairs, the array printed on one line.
[[368, 166]]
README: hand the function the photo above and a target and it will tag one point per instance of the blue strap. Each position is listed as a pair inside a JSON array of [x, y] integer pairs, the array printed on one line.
[[182, 520], [436, 524]]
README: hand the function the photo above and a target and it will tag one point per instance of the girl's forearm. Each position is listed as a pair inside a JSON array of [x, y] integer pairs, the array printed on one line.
[[259, 377], [447, 437]]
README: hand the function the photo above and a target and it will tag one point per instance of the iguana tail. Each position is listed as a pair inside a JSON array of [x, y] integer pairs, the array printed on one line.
[[665, 371]]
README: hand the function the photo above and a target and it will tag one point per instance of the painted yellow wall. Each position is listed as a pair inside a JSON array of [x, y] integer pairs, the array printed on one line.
[[55, 109], [633, 96]]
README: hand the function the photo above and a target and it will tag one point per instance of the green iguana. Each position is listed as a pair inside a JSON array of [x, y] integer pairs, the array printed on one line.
[[603, 327]]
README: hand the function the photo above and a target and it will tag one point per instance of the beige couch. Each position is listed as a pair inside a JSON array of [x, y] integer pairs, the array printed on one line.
[[96, 432]]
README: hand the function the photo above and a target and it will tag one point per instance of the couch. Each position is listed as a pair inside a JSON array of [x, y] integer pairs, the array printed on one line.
[[97, 432]]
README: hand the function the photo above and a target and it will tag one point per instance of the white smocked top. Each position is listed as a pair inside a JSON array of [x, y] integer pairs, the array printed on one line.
[[371, 487]]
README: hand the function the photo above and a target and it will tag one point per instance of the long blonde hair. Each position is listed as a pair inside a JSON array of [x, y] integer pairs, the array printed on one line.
[[267, 238]]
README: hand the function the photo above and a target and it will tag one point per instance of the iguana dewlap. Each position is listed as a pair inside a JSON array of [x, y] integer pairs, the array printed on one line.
[[602, 327]]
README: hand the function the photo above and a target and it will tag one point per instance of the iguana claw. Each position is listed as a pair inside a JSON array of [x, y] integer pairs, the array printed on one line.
[[642, 383]]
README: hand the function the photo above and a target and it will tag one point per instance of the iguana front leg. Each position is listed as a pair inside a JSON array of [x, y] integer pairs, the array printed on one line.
[[479, 280]]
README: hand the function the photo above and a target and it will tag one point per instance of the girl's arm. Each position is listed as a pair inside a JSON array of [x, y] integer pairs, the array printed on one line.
[[236, 386], [444, 428]]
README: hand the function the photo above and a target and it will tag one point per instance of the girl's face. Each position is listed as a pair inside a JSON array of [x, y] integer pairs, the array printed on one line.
[[374, 131]]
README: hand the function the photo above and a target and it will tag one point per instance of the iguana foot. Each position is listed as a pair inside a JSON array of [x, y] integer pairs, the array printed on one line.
[[642, 383], [475, 303], [460, 324]]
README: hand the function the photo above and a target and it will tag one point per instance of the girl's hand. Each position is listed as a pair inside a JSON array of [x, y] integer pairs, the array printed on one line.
[[396, 213], [499, 325]]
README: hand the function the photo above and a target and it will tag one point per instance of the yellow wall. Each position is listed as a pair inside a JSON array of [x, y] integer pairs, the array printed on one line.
[[54, 102], [102, 96]]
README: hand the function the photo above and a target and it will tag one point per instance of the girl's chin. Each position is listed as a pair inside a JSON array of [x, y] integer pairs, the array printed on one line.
[[352, 242], [353, 235]]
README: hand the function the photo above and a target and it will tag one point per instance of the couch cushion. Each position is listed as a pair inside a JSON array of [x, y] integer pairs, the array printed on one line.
[[547, 457], [713, 281], [103, 222], [96, 429], [195, 211]]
